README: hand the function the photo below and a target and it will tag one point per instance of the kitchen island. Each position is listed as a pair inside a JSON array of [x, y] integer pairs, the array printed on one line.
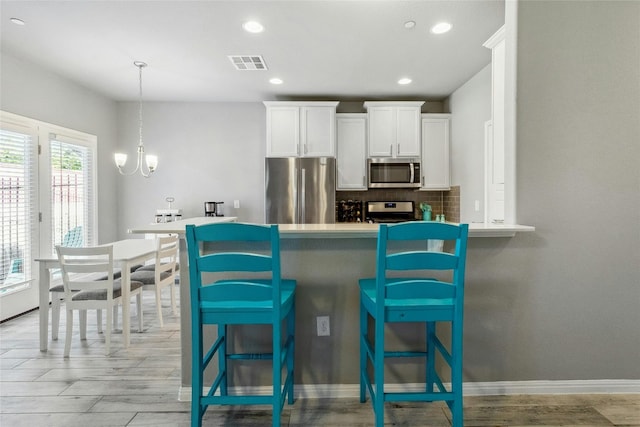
[[327, 260]]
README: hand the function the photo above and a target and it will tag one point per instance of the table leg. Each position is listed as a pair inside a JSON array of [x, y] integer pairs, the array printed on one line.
[[126, 304], [185, 313], [43, 284]]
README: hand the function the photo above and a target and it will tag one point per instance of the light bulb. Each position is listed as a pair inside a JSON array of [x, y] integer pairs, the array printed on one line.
[[120, 158], [152, 162]]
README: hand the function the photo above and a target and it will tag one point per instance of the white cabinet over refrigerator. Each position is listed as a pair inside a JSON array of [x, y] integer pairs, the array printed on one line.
[[301, 129]]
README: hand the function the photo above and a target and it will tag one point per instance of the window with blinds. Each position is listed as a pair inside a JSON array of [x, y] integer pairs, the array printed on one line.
[[72, 191], [18, 203], [47, 198]]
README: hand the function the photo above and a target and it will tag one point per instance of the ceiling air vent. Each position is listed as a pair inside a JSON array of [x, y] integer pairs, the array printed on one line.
[[248, 62]]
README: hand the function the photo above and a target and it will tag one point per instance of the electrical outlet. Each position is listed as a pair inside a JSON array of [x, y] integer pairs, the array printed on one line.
[[322, 323], [477, 205], [236, 204]]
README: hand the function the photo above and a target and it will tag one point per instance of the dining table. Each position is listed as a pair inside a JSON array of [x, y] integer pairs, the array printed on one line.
[[126, 254]]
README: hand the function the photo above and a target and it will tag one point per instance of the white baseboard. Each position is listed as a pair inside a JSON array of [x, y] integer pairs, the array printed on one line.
[[344, 391]]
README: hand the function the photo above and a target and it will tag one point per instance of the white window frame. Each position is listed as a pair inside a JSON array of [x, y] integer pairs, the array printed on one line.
[[41, 234], [77, 138]]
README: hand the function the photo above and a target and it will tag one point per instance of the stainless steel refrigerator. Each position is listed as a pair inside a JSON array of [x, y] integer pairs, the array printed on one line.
[[300, 190]]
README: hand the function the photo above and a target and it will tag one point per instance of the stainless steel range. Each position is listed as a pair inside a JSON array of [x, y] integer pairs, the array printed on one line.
[[378, 212]]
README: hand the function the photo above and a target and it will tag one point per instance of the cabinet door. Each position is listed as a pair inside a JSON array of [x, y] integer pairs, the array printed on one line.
[[435, 155], [382, 131], [407, 132], [318, 132], [352, 155], [283, 131]]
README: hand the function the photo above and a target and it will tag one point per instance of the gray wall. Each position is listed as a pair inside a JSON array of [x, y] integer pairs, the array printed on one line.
[[30, 91], [206, 152], [470, 108], [578, 181]]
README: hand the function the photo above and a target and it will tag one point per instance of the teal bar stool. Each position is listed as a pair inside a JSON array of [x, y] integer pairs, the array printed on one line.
[[403, 292], [228, 300]]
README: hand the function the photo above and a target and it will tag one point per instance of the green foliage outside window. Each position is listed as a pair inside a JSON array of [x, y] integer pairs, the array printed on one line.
[[11, 157], [66, 158]]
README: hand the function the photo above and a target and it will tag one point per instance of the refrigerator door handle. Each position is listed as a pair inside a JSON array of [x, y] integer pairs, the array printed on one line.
[[303, 195], [295, 196]]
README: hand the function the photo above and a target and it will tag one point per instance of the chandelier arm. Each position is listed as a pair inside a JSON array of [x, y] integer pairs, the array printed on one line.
[[138, 166], [127, 173]]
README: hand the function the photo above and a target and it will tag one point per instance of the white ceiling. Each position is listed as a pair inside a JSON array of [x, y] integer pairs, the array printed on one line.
[[321, 49]]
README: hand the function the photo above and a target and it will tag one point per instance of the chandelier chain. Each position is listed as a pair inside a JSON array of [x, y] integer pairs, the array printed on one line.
[[140, 67]]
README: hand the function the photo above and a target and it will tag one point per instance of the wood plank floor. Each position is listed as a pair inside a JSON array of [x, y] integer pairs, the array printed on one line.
[[139, 387]]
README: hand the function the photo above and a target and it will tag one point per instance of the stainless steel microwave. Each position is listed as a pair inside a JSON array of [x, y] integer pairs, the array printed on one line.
[[394, 173]]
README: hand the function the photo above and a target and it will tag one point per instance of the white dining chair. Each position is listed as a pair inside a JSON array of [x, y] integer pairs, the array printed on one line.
[[57, 298], [80, 267], [162, 273]]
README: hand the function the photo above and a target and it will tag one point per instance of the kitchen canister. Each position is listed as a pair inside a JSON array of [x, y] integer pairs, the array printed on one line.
[[426, 211]]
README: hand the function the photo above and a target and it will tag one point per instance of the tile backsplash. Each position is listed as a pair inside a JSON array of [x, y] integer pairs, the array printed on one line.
[[447, 202]]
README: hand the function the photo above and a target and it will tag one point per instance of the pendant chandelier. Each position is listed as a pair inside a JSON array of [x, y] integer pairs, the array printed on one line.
[[150, 160]]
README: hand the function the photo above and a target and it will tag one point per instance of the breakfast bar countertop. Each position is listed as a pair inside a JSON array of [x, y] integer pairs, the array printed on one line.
[[361, 230], [339, 230]]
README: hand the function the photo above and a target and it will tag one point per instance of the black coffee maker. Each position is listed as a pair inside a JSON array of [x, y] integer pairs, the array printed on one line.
[[213, 209]]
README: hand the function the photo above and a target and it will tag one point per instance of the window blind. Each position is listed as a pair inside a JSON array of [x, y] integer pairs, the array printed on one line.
[[72, 191], [18, 157]]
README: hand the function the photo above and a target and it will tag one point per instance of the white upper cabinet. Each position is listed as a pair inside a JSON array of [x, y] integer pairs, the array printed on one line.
[[435, 164], [283, 131], [301, 129], [351, 160], [394, 128]]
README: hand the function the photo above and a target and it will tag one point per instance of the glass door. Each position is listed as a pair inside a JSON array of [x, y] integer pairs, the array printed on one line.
[[19, 217], [47, 198]]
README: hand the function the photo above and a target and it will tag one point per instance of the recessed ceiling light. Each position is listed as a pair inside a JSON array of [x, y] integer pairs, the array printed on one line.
[[409, 24], [441, 28], [17, 21], [404, 81], [253, 27], [275, 81]]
